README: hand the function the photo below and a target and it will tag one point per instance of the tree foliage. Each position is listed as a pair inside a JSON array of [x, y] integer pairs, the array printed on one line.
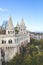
[[30, 55]]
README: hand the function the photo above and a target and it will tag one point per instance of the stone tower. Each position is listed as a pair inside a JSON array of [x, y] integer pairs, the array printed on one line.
[[22, 27], [17, 26], [9, 27]]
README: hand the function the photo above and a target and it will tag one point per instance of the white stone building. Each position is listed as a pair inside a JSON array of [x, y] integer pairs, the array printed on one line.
[[10, 42], [36, 35]]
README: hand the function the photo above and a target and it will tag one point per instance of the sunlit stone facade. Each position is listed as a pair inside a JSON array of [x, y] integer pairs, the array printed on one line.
[[10, 41]]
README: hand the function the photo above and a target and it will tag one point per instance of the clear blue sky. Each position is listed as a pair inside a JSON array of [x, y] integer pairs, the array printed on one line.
[[30, 10]]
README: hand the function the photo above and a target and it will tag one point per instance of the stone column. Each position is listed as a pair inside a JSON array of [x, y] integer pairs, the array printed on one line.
[[6, 56], [18, 49], [0, 57]]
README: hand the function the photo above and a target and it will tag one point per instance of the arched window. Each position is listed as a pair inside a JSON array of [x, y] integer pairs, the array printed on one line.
[[3, 41], [2, 52], [10, 32], [10, 41]]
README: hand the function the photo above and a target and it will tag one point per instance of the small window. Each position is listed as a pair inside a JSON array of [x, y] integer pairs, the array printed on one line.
[[3, 41], [8, 32], [24, 32], [10, 41]]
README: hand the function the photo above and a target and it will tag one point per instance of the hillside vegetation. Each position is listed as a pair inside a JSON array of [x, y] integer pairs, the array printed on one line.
[[32, 54]]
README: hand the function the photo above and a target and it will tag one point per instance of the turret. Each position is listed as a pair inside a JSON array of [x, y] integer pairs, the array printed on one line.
[[22, 27], [9, 27], [17, 26]]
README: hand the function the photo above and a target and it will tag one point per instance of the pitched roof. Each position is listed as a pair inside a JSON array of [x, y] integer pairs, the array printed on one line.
[[22, 22], [9, 24]]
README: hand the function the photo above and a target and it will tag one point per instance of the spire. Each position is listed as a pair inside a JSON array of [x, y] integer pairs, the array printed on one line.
[[22, 29], [22, 22], [17, 24], [9, 24]]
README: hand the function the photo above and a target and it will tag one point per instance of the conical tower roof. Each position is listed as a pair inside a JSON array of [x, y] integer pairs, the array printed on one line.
[[22, 22], [9, 24], [17, 24]]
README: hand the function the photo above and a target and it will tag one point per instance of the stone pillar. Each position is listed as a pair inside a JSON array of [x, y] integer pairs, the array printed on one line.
[[18, 49], [6, 57], [0, 57]]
